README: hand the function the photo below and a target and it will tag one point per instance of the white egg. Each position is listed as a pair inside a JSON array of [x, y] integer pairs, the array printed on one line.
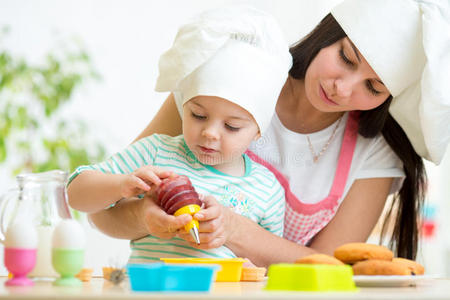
[[21, 234], [68, 235]]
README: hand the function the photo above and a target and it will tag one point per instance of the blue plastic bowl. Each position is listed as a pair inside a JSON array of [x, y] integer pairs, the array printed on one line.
[[159, 277]]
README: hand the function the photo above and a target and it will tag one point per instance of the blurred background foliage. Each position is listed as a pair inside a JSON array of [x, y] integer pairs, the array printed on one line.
[[36, 134]]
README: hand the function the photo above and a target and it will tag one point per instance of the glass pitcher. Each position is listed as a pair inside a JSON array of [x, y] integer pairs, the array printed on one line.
[[42, 199]]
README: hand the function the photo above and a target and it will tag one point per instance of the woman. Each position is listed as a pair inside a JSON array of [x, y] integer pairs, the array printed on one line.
[[332, 143]]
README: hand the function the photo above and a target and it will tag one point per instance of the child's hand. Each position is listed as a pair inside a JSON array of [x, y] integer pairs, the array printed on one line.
[[214, 225], [141, 180]]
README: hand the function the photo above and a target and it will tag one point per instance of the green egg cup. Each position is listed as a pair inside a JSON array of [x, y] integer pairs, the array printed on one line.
[[67, 263]]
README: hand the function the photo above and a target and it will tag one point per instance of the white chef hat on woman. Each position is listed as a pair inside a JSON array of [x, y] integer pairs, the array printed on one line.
[[407, 43], [237, 53]]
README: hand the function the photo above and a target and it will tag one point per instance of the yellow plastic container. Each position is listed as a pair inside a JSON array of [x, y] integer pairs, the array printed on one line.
[[308, 277], [231, 268]]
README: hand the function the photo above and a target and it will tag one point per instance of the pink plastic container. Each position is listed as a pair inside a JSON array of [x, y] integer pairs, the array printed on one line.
[[20, 262]]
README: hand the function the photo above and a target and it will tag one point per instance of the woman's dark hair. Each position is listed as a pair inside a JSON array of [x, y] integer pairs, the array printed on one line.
[[409, 200]]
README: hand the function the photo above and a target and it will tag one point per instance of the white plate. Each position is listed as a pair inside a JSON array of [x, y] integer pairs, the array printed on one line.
[[389, 281]]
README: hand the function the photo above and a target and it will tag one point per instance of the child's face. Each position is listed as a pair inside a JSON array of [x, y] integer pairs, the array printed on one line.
[[217, 131]]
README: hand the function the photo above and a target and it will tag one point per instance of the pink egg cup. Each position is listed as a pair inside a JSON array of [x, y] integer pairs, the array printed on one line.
[[20, 262]]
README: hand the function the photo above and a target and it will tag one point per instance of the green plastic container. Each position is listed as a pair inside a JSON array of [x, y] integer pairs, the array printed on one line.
[[307, 277]]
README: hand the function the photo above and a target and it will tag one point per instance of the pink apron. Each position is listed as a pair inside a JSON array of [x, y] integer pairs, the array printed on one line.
[[303, 221]]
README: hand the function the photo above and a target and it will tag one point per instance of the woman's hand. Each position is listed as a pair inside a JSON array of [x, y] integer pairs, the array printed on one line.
[[214, 220], [157, 222], [134, 218], [141, 180]]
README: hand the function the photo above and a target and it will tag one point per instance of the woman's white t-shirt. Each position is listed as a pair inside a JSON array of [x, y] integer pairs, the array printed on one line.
[[310, 181]]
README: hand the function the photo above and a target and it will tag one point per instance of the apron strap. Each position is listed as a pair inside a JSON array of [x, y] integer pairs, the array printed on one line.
[[346, 156], [340, 176]]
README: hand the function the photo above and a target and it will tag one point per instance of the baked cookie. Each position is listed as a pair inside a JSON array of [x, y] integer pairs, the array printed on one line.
[[380, 267], [85, 274], [253, 274], [416, 268], [320, 259], [353, 252]]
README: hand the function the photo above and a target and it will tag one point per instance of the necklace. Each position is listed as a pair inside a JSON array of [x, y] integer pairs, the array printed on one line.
[[325, 147]]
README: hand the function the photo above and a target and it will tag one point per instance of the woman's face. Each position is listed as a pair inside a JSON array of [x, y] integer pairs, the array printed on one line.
[[217, 131], [340, 79]]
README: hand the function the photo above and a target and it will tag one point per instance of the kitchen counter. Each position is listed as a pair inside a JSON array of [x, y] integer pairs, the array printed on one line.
[[98, 288]]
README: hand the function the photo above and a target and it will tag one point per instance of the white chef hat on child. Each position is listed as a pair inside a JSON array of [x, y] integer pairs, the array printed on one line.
[[407, 43], [237, 53]]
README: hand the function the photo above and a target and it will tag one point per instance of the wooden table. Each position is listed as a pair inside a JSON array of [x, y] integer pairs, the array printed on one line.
[[100, 289]]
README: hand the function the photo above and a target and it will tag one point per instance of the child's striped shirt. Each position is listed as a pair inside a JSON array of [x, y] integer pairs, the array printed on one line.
[[256, 195]]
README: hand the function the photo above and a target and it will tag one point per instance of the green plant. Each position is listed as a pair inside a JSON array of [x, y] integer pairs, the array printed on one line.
[[34, 133]]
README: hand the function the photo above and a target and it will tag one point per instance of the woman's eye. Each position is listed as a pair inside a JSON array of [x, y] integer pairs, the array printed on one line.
[[199, 117], [231, 128], [344, 58], [371, 88]]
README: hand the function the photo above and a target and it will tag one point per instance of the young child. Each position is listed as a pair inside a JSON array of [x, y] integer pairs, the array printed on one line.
[[228, 73]]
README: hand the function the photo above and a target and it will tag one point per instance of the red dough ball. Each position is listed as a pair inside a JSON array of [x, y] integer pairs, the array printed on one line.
[[175, 192]]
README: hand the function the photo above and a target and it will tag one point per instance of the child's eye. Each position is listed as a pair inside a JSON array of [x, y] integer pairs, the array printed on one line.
[[231, 128], [344, 58], [371, 88], [199, 117]]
